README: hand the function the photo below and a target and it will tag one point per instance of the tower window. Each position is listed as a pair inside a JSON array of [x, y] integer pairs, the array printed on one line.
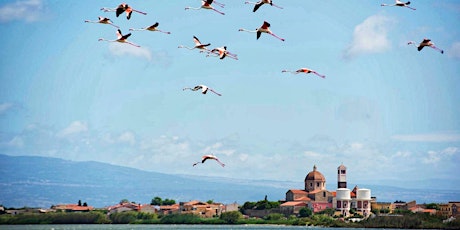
[[317, 184], [342, 171]]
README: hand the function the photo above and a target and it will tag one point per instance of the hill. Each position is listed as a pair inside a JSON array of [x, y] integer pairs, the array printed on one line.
[[42, 181]]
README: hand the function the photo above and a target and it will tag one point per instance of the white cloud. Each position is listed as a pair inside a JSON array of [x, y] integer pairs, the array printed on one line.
[[454, 50], [433, 157], [5, 107], [74, 128], [371, 36], [430, 137], [127, 137], [28, 10], [119, 49]]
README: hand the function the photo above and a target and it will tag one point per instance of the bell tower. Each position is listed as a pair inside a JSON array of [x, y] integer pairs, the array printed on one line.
[[342, 176]]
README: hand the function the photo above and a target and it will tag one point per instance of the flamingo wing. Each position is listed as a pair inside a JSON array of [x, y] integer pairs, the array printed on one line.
[[265, 25], [120, 9], [257, 5], [196, 40]]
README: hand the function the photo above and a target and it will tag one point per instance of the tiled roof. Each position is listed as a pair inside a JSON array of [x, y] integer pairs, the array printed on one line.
[[293, 203], [298, 191]]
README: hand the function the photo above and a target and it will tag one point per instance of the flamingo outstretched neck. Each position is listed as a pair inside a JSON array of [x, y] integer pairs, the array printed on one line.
[[103, 20], [204, 89], [426, 42], [207, 5], [265, 28], [400, 4], [121, 38], [209, 157], [304, 70], [153, 27], [260, 3]]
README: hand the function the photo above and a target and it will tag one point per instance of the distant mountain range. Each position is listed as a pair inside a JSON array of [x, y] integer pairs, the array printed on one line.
[[42, 181]]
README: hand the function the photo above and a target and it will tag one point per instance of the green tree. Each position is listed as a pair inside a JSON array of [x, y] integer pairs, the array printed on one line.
[[305, 212], [231, 217], [210, 201], [79, 202], [124, 201], [168, 202], [432, 206], [156, 201]]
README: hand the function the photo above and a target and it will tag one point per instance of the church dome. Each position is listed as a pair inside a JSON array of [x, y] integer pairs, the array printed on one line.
[[315, 175]]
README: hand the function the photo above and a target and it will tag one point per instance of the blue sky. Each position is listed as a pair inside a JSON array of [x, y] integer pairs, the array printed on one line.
[[385, 110]]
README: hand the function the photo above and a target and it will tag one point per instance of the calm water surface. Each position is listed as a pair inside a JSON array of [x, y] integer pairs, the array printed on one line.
[[145, 227]]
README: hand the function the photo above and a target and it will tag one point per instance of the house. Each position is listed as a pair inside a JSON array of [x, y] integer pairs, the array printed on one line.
[[168, 209], [202, 209], [450, 209], [292, 207], [123, 207], [72, 208]]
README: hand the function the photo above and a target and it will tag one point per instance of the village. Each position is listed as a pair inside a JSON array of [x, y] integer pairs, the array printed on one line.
[[352, 204]]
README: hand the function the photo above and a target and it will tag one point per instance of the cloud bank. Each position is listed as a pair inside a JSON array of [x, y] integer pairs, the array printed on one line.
[[27, 10]]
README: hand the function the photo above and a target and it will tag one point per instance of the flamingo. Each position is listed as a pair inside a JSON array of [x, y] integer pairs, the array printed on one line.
[[260, 3], [209, 157], [198, 45], [151, 28], [207, 5], [304, 70], [103, 20], [222, 52], [121, 38], [400, 3], [265, 28], [123, 7], [204, 89], [425, 42]]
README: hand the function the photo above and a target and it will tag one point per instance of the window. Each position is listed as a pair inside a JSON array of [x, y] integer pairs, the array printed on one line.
[[317, 184], [324, 194], [342, 171]]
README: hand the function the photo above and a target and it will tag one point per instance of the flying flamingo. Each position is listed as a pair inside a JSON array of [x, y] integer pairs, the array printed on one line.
[[304, 70], [204, 89], [103, 20], [260, 3], [207, 5], [265, 28], [198, 45], [151, 28], [123, 7], [425, 42], [121, 38], [400, 3], [222, 52], [210, 157]]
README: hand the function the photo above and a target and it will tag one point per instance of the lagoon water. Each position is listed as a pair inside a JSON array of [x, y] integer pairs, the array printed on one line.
[[161, 227]]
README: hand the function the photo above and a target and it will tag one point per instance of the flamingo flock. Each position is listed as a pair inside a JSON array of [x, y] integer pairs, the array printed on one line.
[[222, 52]]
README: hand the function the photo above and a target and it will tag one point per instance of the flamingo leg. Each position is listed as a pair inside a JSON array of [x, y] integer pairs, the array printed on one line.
[[164, 32], [221, 164], [140, 12], [322, 76], [436, 48], [274, 35], [113, 25], [215, 93], [218, 11], [410, 7], [132, 44], [279, 7]]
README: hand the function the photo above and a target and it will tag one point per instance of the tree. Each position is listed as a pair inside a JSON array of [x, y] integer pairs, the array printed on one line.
[[156, 201], [432, 206], [210, 201], [79, 202], [85, 204], [305, 212], [124, 201], [231, 217]]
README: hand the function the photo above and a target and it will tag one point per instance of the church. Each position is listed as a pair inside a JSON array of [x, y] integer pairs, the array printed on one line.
[[316, 197]]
